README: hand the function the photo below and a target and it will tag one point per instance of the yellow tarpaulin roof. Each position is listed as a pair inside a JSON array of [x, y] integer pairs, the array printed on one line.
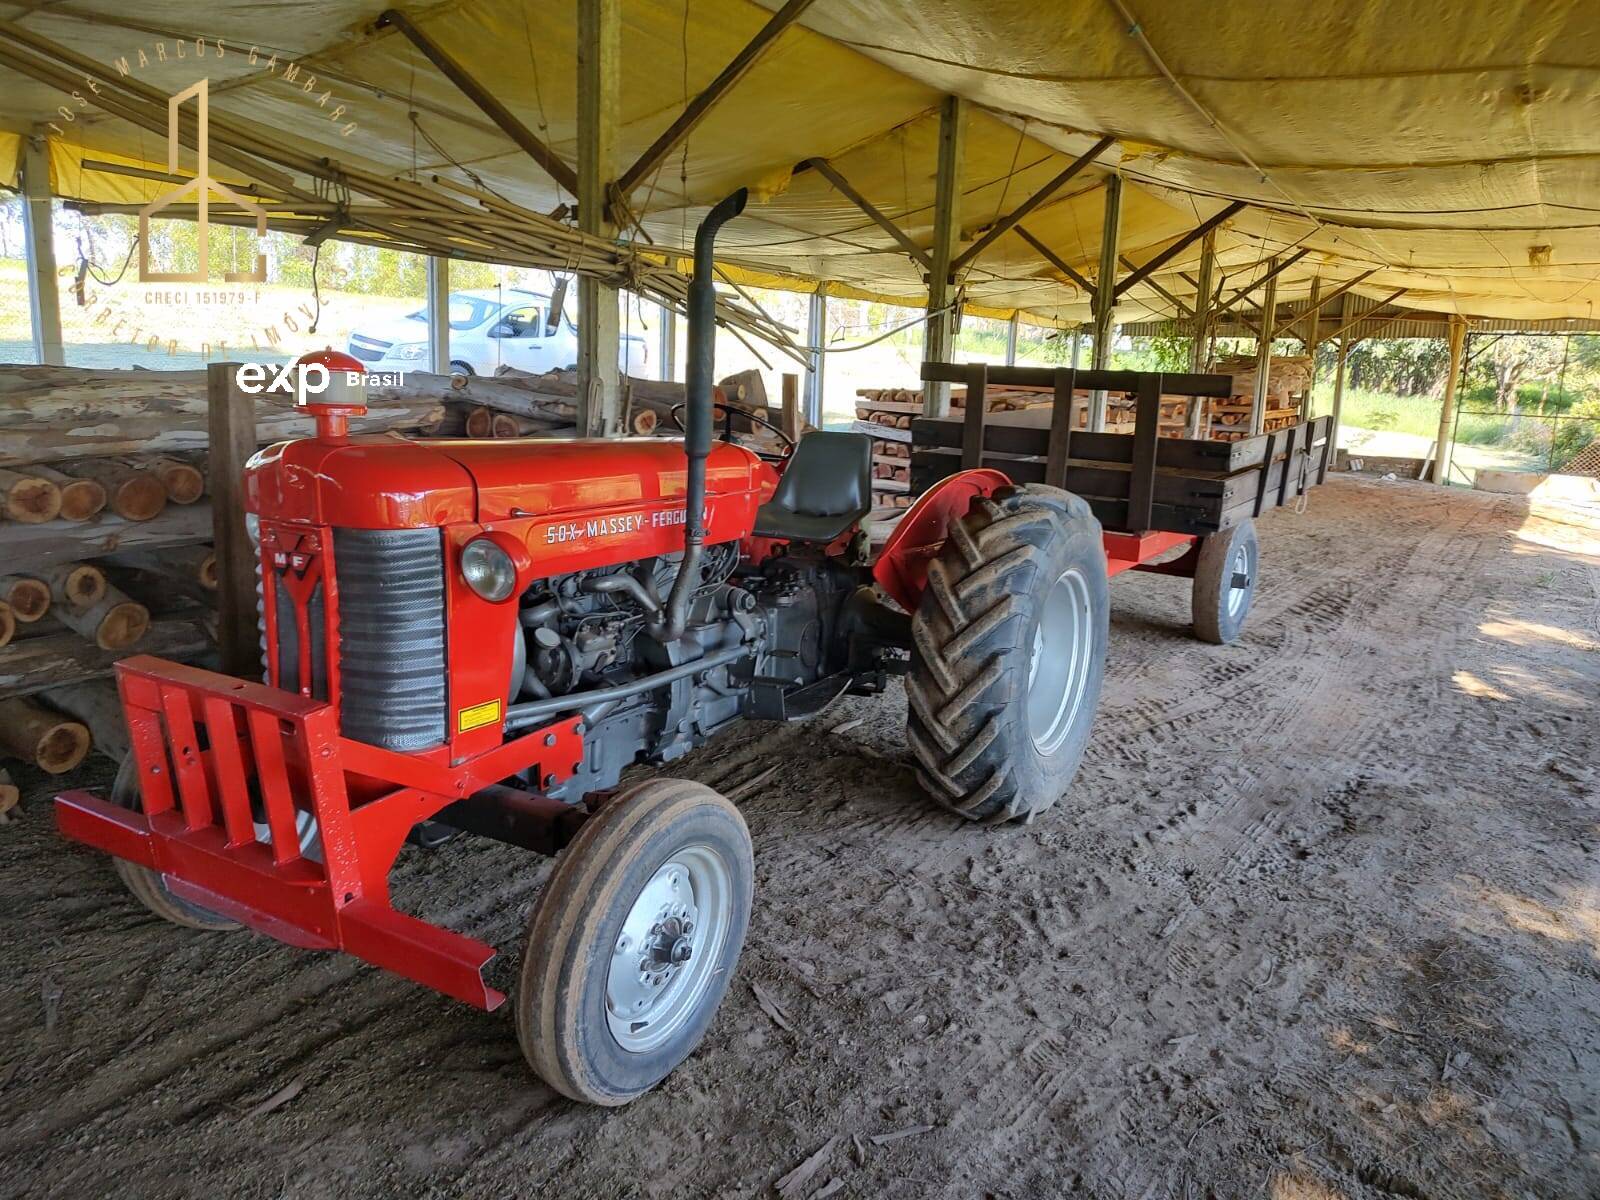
[[1453, 148]]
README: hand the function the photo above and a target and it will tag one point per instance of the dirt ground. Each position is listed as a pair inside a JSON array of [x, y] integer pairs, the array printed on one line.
[[1320, 919]]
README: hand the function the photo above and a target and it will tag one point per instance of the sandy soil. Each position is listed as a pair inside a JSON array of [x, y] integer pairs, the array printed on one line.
[[1319, 920]]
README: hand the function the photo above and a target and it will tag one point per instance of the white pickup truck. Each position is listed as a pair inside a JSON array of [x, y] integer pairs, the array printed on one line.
[[489, 329]]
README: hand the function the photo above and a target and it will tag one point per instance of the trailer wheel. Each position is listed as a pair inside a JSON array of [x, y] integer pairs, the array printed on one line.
[[1225, 582], [145, 884], [632, 945], [1008, 651]]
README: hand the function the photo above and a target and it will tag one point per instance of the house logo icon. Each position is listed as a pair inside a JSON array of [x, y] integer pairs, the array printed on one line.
[[200, 189]]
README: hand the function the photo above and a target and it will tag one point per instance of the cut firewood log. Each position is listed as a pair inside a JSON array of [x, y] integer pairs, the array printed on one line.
[[192, 564], [98, 705], [75, 584], [48, 740], [183, 481], [29, 497], [113, 622], [80, 498], [29, 598], [10, 794], [480, 422], [132, 493], [504, 425], [643, 422], [8, 623]]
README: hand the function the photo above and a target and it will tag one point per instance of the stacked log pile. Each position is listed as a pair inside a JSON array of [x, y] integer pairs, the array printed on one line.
[[1288, 383], [105, 525]]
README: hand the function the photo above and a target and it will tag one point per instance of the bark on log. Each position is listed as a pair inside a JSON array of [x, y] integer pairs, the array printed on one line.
[[27, 497], [195, 564], [28, 598], [76, 585], [132, 493], [81, 499], [28, 549], [113, 622], [51, 414], [8, 623], [99, 706], [37, 663], [46, 739]]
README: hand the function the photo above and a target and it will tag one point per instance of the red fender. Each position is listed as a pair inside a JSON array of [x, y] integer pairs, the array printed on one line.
[[902, 568]]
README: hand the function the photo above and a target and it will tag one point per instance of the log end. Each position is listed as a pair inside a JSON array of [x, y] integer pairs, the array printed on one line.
[[33, 501], [140, 497], [645, 422], [184, 484], [206, 572], [480, 423], [123, 625], [8, 623], [29, 599], [82, 499], [61, 746], [10, 794], [84, 585]]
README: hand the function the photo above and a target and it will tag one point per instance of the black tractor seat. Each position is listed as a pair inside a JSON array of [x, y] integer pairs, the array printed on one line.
[[826, 487]]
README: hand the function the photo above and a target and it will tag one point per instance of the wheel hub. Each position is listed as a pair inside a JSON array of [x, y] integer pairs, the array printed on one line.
[[1058, 671]]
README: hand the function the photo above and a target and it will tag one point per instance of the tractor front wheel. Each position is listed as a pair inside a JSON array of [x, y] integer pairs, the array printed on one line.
[[632, 945], [146, 885], [1008, 651]]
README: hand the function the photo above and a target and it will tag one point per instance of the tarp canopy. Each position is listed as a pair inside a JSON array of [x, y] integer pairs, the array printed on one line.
[[1453, 148]]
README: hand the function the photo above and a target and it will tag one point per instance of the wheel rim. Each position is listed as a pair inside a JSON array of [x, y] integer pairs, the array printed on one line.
[[1244, 563], [666, 953], [1058, 674]]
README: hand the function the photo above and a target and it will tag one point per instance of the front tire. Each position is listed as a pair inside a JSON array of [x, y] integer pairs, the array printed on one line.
[[633, 943], [1225, 582], [147, 885], [1009, 648]]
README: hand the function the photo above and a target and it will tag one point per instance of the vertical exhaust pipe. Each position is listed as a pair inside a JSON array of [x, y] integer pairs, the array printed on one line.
[[698, 423]]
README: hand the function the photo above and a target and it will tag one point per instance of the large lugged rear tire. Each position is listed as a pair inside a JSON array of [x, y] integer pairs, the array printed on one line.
[[632, 945], [1009, 648]]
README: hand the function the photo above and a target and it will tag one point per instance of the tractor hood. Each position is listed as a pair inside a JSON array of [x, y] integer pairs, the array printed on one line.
[[391, 482]]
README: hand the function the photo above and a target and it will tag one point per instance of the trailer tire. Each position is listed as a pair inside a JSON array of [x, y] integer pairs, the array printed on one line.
[[662, 869], [1221, 606], [1008, 652], [146, 884]]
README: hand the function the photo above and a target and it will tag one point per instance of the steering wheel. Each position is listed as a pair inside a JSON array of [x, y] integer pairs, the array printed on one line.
[[677, 410]]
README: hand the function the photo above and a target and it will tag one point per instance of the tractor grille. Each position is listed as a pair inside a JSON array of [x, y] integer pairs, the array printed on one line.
[[391, 636]]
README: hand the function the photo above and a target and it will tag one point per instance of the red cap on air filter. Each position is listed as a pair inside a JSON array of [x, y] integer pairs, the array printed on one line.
[[335, 398]]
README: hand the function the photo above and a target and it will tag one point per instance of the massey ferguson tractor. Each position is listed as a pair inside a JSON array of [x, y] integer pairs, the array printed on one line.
[[482, 636]]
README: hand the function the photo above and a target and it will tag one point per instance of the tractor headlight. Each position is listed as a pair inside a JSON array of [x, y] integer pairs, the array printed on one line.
[[488, 570]]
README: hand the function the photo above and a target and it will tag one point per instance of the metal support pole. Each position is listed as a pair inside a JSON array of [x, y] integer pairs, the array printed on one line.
[[1308, 334], [1338, 395], [438, 315], [599, 308], [1105, 296], [939, 337], [38, 239], [667, 352], [1447, 412], [1011, 339], [816, 333], [1269, 329]]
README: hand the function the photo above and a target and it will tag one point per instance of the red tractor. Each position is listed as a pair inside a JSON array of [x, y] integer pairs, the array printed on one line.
[[482, 635]]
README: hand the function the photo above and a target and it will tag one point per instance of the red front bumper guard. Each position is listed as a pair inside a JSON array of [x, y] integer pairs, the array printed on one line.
[[200, 738]]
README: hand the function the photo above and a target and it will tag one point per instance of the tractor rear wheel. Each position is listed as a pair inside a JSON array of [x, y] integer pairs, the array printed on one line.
[[1225, 582], [632, 945], [1008, 651], [146, 885]]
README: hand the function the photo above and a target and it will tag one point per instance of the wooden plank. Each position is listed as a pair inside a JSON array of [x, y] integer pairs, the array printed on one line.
[[1146, 433], [973, 419], [1059, 447], [1007, 434], [232, 429]]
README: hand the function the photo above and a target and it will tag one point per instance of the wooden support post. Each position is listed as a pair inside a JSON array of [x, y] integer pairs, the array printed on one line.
[[1200, 342], [1011, 339], [1338, 398], [667, 353], [1447, 411], [939, 338], [599, 312], [1269, 328], [816, 334], [231, 425], [792, 421], [38, 240], [1105, 297], [438, 315]]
